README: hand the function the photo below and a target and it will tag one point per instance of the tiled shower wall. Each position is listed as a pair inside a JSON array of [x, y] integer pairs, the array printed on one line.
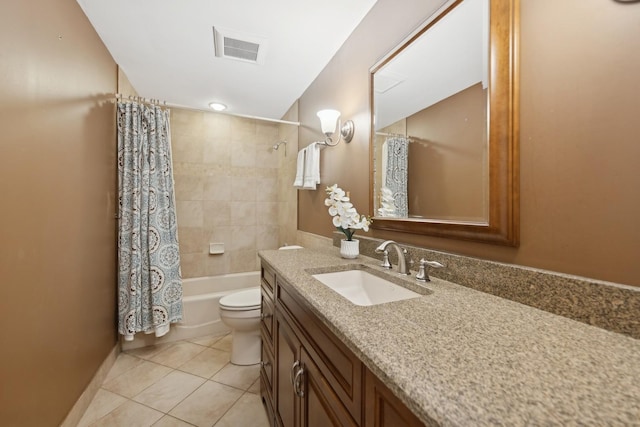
[[287, 194], [226, 184]]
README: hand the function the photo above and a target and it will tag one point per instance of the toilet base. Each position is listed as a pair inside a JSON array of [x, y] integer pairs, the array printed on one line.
[[245, 347]]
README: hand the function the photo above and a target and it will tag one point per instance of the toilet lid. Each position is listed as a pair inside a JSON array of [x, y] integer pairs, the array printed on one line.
[[242, 300]]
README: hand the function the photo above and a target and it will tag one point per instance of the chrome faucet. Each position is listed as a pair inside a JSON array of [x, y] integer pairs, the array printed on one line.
[[402, 260]]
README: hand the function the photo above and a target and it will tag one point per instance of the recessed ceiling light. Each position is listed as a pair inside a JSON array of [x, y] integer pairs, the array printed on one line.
[[217, 106]]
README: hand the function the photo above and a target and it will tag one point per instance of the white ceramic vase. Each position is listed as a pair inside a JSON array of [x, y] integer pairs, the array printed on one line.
[[349, 248]]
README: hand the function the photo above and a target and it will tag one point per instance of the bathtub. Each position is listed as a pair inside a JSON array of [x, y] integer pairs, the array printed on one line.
[[200, 308]]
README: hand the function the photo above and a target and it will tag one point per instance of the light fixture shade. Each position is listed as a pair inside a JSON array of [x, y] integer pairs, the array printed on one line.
[[328, 120]]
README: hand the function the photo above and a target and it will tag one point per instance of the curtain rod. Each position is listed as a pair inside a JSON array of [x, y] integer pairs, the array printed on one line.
[[184, 107], [246, 116], [409, 137], [396, 135], [141, 99]]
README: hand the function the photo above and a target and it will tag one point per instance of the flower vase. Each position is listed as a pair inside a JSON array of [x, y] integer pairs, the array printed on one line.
[[349, 248]]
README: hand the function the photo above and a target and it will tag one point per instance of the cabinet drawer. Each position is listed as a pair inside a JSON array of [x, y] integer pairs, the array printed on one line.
[[341, 368], [267, 371], [268, 278], [267, 321]]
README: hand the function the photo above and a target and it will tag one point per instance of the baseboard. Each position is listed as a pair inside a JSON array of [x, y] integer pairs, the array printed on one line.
[[75, 414]]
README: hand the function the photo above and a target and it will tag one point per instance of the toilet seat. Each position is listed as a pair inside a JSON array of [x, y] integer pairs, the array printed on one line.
[[249, 299]]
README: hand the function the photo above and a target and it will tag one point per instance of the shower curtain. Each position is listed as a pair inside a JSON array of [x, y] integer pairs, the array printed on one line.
[[395, 169], [149, 281]]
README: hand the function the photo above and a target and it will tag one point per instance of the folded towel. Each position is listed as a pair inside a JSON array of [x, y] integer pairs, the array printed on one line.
[[299, 181], [311, 167]]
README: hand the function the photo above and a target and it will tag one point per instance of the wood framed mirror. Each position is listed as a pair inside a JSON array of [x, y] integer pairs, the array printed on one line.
[[448, 116]]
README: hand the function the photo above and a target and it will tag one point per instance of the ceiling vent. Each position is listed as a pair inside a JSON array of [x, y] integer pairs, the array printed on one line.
[[239, 46]]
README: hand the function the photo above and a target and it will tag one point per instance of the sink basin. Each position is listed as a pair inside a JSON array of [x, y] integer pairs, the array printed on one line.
[[363, 288]]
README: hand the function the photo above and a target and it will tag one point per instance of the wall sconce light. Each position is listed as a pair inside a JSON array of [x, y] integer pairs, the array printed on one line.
[[330, 123]]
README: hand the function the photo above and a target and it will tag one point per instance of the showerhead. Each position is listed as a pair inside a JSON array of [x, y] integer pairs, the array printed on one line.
[[276, 145]]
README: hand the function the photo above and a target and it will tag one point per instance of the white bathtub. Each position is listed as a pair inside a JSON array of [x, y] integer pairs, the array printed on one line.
[[200, 311]]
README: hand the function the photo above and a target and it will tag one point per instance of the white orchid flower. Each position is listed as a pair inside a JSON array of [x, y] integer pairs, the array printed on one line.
[[345, 216]]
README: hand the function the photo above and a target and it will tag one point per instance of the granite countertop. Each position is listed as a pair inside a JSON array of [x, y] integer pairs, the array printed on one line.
[[463, 357]]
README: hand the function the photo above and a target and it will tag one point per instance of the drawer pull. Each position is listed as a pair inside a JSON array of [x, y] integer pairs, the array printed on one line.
[[291, 373], [297, 383]]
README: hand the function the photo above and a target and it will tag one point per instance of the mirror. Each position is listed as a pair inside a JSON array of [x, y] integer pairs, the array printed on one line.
[[444, 142]]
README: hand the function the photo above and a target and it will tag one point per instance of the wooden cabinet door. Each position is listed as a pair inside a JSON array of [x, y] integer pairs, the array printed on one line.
[[340, 367], [384, 409], [321, 407], [304, 396], [287, 364]]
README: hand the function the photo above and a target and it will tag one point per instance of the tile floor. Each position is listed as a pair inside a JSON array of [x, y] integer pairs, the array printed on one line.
[[185, 383]]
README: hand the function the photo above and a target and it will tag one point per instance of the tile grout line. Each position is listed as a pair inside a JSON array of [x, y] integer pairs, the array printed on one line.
[[243, 393], [229, 409]]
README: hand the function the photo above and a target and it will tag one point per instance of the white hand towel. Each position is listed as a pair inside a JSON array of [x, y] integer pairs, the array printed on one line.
[[312, 167], [299, 181]]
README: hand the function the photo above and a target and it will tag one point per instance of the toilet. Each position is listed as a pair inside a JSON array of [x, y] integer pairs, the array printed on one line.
[[240, 311]]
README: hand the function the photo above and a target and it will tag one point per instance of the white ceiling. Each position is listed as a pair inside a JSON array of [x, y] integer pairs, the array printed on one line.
[[166, 48], [449, 57]]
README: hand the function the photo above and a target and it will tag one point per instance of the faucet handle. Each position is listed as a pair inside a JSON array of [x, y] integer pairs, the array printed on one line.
[[434, 264], [423, 274], [385, 260]]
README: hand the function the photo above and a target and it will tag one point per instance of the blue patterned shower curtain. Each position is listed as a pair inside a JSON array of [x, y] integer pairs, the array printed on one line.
[[149, 281]]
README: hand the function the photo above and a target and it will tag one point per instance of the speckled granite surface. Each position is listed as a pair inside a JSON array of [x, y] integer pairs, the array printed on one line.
[[463, 357], [603, 304]]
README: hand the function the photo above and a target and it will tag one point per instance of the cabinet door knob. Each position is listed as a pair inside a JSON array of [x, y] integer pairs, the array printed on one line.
[[265, 316]]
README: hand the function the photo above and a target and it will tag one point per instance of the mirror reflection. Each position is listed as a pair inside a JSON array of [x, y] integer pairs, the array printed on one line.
[[430, 101], [444, 127]]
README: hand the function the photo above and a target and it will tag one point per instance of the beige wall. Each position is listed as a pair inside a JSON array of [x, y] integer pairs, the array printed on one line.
[[125, 88], [226, 183], [57, 225], [448, 177], [578, 137]]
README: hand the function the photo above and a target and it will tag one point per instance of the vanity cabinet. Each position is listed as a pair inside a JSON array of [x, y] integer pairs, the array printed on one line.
[[309, 377], [267, 322]]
